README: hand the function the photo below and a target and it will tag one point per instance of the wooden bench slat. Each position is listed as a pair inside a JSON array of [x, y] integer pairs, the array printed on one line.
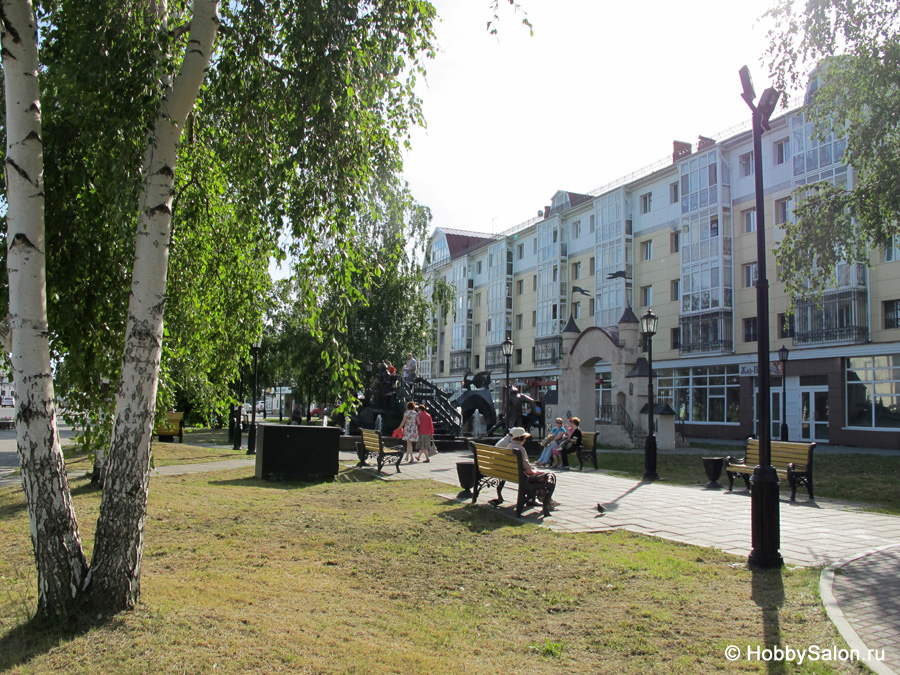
[[372, 447], [793, 461], [498, 466]]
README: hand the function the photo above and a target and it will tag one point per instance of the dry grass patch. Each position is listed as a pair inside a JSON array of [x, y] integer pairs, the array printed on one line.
[[363, 576]]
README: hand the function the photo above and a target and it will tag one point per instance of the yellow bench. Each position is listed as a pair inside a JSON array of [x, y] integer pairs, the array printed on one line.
[[496, 466], [793, 461], [372, 447], [173, 426]]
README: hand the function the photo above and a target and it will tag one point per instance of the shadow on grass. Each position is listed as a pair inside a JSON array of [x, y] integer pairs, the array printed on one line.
[[477, 518], [36, 637], [346, 475], [77, 486], [768, 594]]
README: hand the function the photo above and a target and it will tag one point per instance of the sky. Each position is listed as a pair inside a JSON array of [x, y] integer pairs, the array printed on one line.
[[600, 90]]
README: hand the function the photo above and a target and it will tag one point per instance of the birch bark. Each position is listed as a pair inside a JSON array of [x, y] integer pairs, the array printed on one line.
[[114, 578], [59, 556]]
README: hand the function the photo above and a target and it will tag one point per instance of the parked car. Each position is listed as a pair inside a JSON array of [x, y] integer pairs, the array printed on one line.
[[317, 412], [8, 402]]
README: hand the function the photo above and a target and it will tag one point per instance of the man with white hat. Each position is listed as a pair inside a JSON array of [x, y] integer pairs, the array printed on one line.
[[519, 436]]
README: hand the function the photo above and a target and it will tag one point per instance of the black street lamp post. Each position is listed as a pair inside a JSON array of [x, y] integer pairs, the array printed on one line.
[[783, 357], [251, 435], [507, 347], [649, 323], [764, 514]]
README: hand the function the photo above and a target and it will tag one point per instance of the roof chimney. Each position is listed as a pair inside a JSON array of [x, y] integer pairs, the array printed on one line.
[[680, 149], [703, 143]]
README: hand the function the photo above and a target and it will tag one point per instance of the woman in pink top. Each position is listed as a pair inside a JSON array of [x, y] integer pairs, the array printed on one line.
[[426, 433]]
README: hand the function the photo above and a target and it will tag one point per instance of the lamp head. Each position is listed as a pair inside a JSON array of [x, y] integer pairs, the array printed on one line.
[[649, 323], [767, 103], [783, 353], [747, 85], [507, 347]]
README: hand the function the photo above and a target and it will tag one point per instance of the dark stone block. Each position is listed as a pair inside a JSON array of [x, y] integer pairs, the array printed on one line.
[[288, 452]]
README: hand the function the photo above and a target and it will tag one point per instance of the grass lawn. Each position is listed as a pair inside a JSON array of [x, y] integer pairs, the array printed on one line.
[[870, 479], [362, 576]]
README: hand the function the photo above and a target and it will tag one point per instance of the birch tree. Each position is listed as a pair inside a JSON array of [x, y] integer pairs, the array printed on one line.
[[853, 50], [306, 108]]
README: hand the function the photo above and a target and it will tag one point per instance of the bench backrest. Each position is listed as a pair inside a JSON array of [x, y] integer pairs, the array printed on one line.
[[589, 440], [371, 440], [496, 462], [783, 453], [174, 423]]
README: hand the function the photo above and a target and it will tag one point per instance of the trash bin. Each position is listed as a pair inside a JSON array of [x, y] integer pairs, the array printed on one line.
[[466, 473], [288, 452], [713, 468]]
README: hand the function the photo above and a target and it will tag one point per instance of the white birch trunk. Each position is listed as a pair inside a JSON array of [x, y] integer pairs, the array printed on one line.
[[59, 557], [114, 581]]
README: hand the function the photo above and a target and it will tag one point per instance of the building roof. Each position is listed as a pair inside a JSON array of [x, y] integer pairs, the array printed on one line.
[[460, 242]]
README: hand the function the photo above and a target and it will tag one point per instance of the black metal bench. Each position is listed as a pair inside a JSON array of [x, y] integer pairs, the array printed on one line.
[[587, 449], [372, 447], [793, 461], [496, 466]]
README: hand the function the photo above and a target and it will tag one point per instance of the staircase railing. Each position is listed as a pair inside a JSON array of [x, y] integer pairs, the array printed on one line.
[[447, 419], [616, 414]]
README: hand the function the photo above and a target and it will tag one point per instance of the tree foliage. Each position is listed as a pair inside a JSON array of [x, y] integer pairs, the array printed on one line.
[[294, 117], [855, 47]]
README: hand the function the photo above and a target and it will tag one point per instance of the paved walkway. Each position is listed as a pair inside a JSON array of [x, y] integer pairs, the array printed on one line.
[[859, 550]]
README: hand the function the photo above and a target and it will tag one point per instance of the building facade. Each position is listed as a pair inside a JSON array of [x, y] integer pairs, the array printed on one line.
[[680, 237]]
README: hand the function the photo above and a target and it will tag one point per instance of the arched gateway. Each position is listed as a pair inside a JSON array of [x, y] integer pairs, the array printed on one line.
[[619, 347]]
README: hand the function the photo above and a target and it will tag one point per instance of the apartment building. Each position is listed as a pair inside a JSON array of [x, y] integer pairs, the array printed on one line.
[[680, 237]]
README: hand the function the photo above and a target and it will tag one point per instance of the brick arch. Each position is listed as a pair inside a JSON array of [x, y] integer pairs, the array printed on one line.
[[592, 345]]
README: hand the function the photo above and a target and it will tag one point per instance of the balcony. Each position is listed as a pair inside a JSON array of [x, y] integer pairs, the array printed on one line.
[[460, 362], [706, 333], [547, 351], [840, 318]]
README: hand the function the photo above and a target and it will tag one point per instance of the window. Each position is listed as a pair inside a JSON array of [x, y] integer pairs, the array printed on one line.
[[675, 290], [647, 250], [592, 226], [646, 202], [750, 334], [673, 192], [872, 397], [533, 318], [518, 357], [518, 322], [675, 338], [534, 283], [441, 366], [477, 361], [785, 325], [576, 271], [892, 249], [749, 218], [520, 287], [478, 299], [534, 247], [592, 267], [478, 267], [750, 274], [576, 229], [576, 310], [591, 306], [675, 242], [646, 296], [478, 330], [781, 151], [892, 314], [782, 209], [705, 394], [520, 251], [745, 162]]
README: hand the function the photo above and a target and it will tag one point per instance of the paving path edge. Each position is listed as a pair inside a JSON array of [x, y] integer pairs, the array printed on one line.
[[852, 638]]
